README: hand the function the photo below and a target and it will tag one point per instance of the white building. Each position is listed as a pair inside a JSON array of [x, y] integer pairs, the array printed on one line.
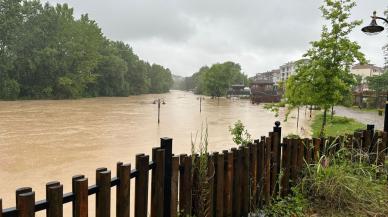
[[289, 69], [366, 70]]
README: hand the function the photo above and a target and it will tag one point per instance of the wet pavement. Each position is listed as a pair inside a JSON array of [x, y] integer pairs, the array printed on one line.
[[365, 117]]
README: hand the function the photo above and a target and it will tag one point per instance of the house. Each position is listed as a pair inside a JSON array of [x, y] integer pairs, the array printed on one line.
[[264, 91], [273, 75], [366, 70]]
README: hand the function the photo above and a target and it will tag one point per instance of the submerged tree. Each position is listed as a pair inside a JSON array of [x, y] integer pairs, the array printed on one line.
[[326, 78]]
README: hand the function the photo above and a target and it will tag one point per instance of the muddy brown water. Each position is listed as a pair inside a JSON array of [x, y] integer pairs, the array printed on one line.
[[42, 141]]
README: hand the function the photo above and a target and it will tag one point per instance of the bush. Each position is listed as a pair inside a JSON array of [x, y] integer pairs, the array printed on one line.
[[67, 88], [9, 89], [294, 205], [240, 134], [339, 187]]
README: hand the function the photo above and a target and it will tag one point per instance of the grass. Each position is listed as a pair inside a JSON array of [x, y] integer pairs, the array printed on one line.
[[336, 186], [336, 126]]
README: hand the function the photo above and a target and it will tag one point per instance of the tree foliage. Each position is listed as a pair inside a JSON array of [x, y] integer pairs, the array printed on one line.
[[378, 83], [45, 52], [326, 80], [215, 80]]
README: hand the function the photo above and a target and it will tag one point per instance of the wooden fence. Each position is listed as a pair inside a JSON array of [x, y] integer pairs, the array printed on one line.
[[241, 180]]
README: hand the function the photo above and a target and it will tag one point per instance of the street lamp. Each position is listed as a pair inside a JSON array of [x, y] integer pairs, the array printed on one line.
[[200, 103], [374, 29], [159, 101]]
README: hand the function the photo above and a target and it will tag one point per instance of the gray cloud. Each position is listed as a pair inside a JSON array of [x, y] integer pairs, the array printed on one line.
[[184, 35]]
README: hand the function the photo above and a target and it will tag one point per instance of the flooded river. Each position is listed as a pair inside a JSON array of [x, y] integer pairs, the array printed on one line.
[[42, 141]]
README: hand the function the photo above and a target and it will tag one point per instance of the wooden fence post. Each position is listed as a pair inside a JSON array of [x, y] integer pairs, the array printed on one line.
[[253, 176], [80, 190], [195, 185], [219, 185], [275, 161], [245, 183], [294, 160], [300, 160], [185, 192], [316, 152], [158, 184], [267, 171], [25, 202], [123, 190], [260, 170], [285, 181], [174, 186], [211, 176], [307, 150], [228, 184], [236, 182], [141, 186], [103, 177], [382, 147], [153, 183], [367, 134], [166, 144], [54, 196], [73, 179]]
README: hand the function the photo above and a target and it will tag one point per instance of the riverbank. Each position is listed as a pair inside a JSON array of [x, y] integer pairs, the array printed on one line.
[[335, 126], [290, 126]]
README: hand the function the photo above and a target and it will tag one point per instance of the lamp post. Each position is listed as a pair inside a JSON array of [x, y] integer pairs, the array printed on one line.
[[159, 101], [374, 29], [200, 103]]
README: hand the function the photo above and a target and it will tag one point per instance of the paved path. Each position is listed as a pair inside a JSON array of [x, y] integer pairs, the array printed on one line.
[[361, 116]]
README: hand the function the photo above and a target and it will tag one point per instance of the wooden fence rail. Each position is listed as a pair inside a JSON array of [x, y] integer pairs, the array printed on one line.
[[241, 180]]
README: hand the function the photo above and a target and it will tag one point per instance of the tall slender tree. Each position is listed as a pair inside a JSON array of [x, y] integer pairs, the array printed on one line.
[[326, 78]]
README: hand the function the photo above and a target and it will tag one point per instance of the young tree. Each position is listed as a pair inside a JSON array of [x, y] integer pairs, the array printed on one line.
[[326, 78], [297, 91]]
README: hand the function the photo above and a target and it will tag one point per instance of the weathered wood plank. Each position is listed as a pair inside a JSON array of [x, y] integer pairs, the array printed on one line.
[[80, 189], [174, 186], [141, 186], [228, 184], [123, 190], [103, 177], [25, 201], [54, 196]]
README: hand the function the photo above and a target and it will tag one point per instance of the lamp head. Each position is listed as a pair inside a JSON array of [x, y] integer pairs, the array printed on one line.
[[373, 27]]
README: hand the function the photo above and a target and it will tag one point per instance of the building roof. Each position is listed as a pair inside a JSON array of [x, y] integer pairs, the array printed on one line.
[[262, 82], [367, 66]]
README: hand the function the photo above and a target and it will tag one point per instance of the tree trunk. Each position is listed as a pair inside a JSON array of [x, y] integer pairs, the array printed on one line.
[[332, 112], [323, 123], [297, 121]]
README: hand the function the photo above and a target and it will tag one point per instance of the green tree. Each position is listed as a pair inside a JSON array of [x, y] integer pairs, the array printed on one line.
[[218, 78], [326, 78], [45, 52]]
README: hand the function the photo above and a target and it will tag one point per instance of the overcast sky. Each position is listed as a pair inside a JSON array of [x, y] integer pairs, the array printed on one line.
[[184, 35]]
